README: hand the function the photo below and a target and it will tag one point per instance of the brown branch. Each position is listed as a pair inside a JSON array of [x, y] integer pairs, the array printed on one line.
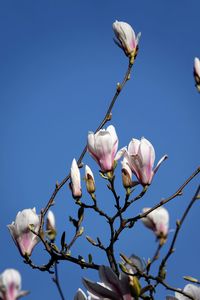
[[61, 257]]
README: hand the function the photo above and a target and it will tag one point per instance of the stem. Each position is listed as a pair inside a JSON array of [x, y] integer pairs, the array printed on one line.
[[155, 257], [117, 198], [106, 118], [56, 280]]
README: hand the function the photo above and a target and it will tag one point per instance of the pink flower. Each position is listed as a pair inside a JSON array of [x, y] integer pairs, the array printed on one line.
[[157, 221], [21, 233], [10, 285], [103, 146], [75, 180], [126, 37], [141, 156]]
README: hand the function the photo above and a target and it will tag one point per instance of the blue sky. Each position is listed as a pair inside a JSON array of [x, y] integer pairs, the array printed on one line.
[[59, 69]]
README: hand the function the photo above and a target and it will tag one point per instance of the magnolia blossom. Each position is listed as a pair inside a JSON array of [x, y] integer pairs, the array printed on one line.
[[103, 146], [126, 174], [110, 287], [89, 177], [126, 38], [23, 237], [189, 289], [197, 72], [141, 156], [75, 180], [157, 221], [10, 285]]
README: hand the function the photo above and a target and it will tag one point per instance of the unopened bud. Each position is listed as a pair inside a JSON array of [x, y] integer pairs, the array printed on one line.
[[119, 87], [75, 180], [197, 72], [89, 177], [126, 174], [50, 226], [135, 286]]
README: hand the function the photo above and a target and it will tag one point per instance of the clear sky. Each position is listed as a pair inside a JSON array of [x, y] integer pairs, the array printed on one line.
[[58, 70]]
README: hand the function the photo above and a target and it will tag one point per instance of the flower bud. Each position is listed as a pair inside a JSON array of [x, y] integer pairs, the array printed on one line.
[[89, 177], [50, 225], [10, 285], [20, 231], [135, 287], [126, 38], [197, 72], [157, 221], [75, 180], [126, 174]]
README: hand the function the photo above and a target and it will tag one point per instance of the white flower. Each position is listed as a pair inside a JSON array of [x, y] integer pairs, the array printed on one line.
[[102, 146], [21, 233], [126, 37], [157, 221], [141, 156]]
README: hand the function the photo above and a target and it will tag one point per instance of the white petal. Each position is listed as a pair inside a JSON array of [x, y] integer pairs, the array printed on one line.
[[147, 153], [88, 171], [133, 147], [111, 130], [120, 153], [159, 163], [51, 219]]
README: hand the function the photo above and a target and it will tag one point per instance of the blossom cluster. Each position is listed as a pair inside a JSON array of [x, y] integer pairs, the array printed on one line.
[[137, 159]]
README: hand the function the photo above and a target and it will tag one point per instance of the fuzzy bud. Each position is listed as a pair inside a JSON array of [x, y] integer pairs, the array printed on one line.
[[75, 180], [126, 174], [89, 178], [50, 225]]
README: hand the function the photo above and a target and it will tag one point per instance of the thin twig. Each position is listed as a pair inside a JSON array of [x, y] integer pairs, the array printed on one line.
[[158, 280], [130, 222], [155, 257], [106, 118], [178, 227], [57, 282]]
